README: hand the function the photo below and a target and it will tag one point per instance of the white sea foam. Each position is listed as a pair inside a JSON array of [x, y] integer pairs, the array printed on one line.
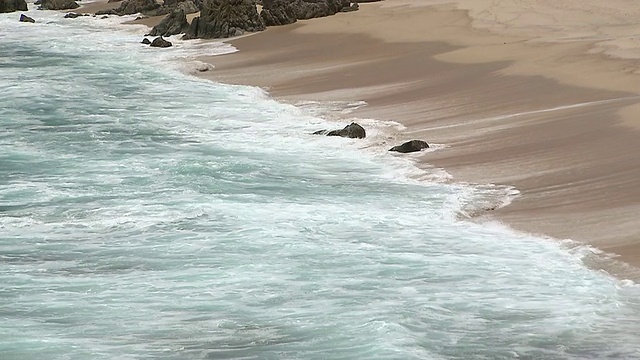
[[162, 216]]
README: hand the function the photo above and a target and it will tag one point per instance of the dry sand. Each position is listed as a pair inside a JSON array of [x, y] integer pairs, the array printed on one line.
[[541, 95]]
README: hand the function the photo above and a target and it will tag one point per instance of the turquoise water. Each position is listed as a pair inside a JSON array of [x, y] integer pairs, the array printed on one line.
[[145, 214]]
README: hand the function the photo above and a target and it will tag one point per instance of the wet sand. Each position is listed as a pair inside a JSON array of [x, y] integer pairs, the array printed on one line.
[[532, 99], [541, 95]]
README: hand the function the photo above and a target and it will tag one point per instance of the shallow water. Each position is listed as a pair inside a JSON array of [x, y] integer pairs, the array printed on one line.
[[146, 214]]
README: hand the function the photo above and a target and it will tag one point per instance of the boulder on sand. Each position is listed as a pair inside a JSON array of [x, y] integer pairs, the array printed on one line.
[[410, 146], [352, 131], [160, 42]]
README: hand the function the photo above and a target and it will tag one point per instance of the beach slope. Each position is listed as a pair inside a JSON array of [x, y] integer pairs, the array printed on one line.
[[541, 95]]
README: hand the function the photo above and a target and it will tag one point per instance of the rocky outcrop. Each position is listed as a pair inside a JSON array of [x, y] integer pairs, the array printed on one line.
[[225, 18], [309, 9], [7, 6], [188, 6], [410, 146], [129, 7], [353, 131], [174, 23], [160, 42], [281, 12], [146, 41], [277, 12], [58, 5], [25, 18], [152, 8]]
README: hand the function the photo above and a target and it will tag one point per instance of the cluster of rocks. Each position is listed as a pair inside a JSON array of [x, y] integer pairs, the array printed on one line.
[[153, 8], [282, 12], [227, 18], [356, 131], [218, 18], [157, 42], [57, 4], [7, 6]]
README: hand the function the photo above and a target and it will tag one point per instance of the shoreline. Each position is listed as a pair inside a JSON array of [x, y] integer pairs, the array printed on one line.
[[503, 123], [482, 94]]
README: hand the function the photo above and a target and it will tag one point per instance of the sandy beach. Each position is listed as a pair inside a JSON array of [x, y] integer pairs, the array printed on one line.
[[540, 95]]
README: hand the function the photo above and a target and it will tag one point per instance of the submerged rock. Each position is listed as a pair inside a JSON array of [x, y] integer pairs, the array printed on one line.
[[146, 41], [25, 18], [73, 15], [352, 131], [410, 146], [160, 42], [7, 6]]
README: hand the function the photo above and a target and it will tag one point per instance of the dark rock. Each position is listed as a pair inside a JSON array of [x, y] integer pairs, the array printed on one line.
[[129, 7], [160, 42], [309, 9], [7, 6], [353, 131], [73, 15], [188, 6], [58, 5], [175, 23], [184, 4], [146, 41], [225, 18], [352, 7], [277, 12], [410, 146], [281, 12], [113, 1], [25, 18]]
